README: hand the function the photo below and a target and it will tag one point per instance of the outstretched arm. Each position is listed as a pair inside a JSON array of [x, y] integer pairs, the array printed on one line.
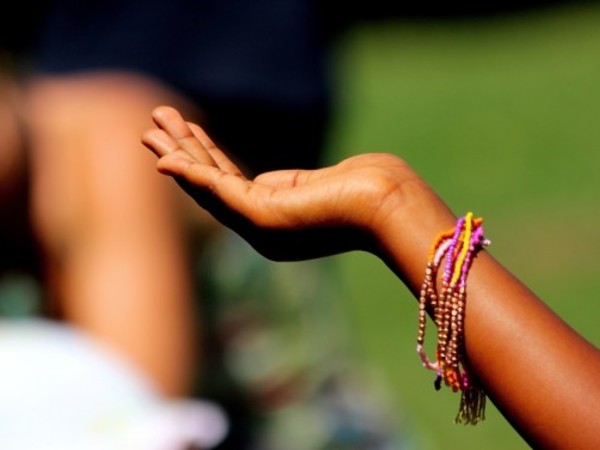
[[282, 213], [539, 372]]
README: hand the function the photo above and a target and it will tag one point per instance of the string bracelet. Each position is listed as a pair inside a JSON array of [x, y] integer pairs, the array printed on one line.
[[458, 247]]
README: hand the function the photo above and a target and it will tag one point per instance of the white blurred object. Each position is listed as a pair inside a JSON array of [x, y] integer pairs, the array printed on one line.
[[61, 391]]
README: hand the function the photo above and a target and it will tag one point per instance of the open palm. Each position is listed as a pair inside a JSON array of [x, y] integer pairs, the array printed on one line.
[[286, 214]]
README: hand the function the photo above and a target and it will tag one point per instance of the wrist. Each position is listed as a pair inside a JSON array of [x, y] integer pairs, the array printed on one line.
[[406, 224]]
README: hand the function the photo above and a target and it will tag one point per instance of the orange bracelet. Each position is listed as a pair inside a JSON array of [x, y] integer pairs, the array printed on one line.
[[458, 246]]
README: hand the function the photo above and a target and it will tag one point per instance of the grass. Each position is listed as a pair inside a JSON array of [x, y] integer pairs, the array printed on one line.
[[500, 116]]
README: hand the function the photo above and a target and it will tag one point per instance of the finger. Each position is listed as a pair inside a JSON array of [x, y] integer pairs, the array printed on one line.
[[221, 159], [181, 164], [159, 142], [177, 164], [201, 135], [171, 121], [231, 190]]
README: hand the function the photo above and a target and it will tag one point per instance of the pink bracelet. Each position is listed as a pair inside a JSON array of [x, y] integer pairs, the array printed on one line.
[[459, 246]]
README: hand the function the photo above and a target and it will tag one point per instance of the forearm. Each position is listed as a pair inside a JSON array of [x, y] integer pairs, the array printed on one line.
[[539, 372]]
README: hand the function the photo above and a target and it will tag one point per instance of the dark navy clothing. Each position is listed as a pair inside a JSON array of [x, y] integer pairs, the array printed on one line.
[[256, 67], [252, 49]]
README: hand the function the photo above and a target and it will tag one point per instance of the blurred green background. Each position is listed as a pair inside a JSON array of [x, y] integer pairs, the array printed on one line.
[[500, 114]]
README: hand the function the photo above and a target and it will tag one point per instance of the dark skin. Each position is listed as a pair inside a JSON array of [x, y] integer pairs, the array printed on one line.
[[533, 365]]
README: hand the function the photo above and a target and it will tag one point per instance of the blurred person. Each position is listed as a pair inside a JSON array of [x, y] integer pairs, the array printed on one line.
[[92, 66], [119, 246], [82, 299]]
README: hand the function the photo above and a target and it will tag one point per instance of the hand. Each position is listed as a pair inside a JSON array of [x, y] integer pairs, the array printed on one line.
[[287, 214]]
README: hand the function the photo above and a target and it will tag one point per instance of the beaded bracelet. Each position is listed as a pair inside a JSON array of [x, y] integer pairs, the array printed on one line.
[[458, 245]]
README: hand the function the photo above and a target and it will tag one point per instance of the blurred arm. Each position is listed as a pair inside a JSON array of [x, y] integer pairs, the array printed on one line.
[[116, 250]]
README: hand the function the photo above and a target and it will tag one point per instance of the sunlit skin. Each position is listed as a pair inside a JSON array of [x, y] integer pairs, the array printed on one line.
[[539, 372]]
